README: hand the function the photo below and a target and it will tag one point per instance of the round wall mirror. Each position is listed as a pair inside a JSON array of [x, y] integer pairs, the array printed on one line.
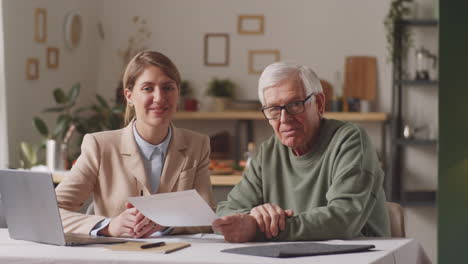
[[73, 29]]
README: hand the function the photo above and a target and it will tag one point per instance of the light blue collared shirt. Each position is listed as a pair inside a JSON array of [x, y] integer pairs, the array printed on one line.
[[154, 156]]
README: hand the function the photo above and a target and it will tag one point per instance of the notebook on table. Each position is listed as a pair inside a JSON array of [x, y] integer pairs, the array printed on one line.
[[31, 210], [291, 250]]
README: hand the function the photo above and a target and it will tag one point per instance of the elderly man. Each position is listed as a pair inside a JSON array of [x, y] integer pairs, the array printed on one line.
[[315, 179]]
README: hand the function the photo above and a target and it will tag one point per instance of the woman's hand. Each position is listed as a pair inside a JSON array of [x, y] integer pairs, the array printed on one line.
[[271, 218], [132, 222], [145, 227]]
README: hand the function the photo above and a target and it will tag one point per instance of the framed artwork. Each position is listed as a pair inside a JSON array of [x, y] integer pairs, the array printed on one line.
[[260, 59], [250, 24], [40, 25], [73, 30], [216, 49], [52, 57], [32, 69]]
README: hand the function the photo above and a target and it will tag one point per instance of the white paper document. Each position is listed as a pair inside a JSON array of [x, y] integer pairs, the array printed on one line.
[[185, 208]]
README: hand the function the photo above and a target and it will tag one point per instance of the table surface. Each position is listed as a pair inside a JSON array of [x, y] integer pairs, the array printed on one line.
[[205, 248]]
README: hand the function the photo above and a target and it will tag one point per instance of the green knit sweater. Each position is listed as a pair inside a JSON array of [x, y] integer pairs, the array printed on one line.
[[335, 190]]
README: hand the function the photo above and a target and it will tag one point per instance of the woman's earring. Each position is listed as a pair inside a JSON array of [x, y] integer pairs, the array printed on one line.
[[130, 103]]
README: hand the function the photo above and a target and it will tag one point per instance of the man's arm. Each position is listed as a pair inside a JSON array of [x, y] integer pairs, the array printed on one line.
[[235, 223], [352, 195], [246, 194]]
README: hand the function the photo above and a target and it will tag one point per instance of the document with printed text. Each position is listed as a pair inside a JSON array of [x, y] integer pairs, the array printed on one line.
[[185, 208]]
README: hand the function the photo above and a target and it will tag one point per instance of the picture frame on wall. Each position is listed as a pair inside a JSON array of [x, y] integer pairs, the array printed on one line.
[[73, 29], [260, 59], [53, 57], [250, 24], [32, 69], [216, 49], [40, 25]]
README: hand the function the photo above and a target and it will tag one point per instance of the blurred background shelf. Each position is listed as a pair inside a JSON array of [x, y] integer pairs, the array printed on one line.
[[428, 83], [419, 22], [216, 180], [422, 142], [419, 198], [257, 115]]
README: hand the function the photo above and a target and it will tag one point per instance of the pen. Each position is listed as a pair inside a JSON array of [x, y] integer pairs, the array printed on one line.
[[152, 245]]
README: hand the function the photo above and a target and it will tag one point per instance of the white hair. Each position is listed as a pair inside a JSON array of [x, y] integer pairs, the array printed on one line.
[[277, 72]]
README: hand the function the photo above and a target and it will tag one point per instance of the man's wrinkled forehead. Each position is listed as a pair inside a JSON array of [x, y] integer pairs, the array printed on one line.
[[291, 88]]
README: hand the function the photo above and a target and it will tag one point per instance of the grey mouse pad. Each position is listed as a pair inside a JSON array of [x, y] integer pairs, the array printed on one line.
[[291, 250]]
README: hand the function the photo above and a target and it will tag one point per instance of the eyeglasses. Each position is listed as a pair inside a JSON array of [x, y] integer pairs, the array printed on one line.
[[293, 108]]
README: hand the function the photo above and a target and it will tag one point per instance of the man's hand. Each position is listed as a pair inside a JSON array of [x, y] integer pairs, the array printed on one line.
[[271, 218], [132, 222], [236, 228]]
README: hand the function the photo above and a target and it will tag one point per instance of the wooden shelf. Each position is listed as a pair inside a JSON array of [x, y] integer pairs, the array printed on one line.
[[419, 22], [420, 142], [225, 180], [257, 115], [418, 82], [419, 198], [216, 180]]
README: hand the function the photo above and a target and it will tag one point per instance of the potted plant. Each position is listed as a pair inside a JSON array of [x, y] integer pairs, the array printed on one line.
[[222, 91], [56, 141], [29, 154], [188, 103], [399, 9], [101, 116]]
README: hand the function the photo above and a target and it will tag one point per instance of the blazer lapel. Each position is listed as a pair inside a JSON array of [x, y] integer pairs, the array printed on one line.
[[133, 159], [174, 162]]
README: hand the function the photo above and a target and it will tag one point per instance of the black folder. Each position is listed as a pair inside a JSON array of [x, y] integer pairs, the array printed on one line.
[[291, 250]]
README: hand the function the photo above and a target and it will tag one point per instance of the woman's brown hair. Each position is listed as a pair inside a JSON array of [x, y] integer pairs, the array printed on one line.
[[136, 67]]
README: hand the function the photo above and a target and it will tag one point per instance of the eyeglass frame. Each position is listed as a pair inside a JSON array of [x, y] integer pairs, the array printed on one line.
[[281, 107]]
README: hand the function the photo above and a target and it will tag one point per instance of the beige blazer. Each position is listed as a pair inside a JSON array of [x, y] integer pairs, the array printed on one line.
[[111, 168]]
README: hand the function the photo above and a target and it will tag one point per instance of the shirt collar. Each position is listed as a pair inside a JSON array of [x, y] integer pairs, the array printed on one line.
[[147, 148]]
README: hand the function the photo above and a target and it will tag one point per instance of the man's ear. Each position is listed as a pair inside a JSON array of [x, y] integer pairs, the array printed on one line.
[[320, 102]]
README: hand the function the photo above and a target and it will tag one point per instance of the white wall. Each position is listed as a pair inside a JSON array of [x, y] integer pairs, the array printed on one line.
[[316, 33], [28, 98], [3, 115]]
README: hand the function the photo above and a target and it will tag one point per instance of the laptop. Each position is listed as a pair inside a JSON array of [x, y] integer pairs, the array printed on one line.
[[31, 210]]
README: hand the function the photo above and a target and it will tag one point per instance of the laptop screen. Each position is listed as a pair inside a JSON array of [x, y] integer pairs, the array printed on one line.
[[30, 206]]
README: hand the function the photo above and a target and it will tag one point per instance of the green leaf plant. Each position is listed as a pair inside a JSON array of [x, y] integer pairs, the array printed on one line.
[[399, 9], [221, 88], [67, 120]]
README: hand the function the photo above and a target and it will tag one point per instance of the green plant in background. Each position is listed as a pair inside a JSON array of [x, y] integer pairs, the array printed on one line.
[[221, 88], [68, 118], [29, 154], [398, 10], [102, 117], [67, 121], [87, 119], [185, 89]]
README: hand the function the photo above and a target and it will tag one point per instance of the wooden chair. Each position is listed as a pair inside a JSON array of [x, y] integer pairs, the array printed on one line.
[[397, 221]]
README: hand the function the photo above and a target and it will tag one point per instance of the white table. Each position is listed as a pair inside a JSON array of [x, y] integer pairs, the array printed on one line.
[[204, 249]]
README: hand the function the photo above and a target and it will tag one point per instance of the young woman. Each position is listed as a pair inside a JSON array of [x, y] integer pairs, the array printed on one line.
[[148, 156]]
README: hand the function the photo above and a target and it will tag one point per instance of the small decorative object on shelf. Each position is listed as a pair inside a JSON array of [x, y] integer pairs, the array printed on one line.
[[249, 154], [423, 57], [222, 91]]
